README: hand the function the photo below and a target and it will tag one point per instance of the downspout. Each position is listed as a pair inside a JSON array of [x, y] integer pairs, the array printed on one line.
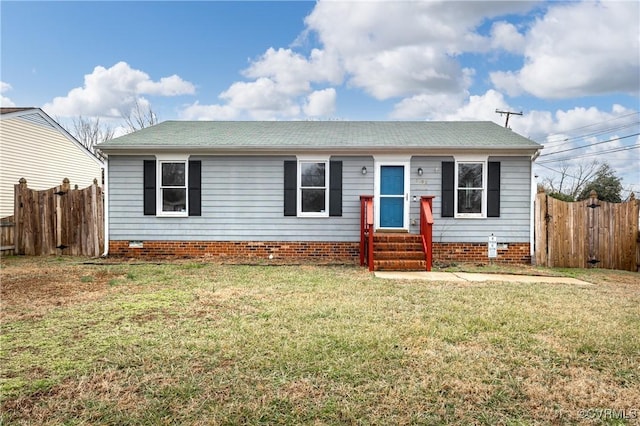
[[532, 210], [105, 194]]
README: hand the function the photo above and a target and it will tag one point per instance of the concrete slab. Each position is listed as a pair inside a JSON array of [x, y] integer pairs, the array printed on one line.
[[475, 277], [418, 275]]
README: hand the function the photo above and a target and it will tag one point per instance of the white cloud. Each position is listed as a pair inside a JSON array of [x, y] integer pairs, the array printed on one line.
[[443, 107], [208, 112], [426, 107], [167, 86], [293, 72], [507, 81], [405, 71], [580, 49], [406, 48], [506, 36], [282, 77], [387, 49], [282, 82], [263, 99], [108, 92], [321, 103], [4, 101]]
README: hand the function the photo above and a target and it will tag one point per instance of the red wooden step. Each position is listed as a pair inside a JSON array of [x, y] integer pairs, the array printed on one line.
[[399, 265]]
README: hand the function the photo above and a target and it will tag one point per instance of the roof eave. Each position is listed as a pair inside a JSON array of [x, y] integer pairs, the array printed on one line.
[[296, 149]]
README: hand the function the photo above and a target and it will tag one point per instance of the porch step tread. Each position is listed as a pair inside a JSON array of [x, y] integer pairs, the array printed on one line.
[[403, 254], [399, 265], [396, 238], [396, 247]]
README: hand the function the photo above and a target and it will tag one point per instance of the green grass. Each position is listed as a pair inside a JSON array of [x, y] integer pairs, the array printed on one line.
[[200, 343]]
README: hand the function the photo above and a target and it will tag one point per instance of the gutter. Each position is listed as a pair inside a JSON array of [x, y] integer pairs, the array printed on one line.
[[105, 194], [536, 155], [532, 214], [532, 152]]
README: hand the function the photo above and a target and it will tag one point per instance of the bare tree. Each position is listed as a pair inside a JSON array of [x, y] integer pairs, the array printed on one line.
[[139, 117], [572, 180], [90, 132]]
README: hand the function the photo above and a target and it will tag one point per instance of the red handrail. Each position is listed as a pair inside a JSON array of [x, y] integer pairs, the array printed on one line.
[[426, 228], [366, 231]]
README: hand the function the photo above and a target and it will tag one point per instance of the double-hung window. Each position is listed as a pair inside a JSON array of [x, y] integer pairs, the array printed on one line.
[[313, 188], [470, 189], [173, 188]]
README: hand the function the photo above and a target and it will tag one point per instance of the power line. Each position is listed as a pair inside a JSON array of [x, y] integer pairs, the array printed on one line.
[[557, 171], [592, 125], [592, 144], [610, 151], [595, 133], [631, 186]]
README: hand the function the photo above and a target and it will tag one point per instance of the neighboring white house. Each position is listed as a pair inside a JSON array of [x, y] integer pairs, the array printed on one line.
[[33, 146]]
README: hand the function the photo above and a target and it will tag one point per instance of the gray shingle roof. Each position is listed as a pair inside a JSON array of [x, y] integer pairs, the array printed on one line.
[[343, 135]]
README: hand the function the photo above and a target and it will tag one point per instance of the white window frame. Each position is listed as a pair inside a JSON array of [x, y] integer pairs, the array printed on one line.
[[327, 174], [483, 203], [163, 159]]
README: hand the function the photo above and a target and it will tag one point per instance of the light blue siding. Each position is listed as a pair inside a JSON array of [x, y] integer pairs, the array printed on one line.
[[515, 203], [242, 199]]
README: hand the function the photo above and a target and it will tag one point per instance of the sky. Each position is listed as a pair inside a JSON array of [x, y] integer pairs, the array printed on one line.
[[571, 68]]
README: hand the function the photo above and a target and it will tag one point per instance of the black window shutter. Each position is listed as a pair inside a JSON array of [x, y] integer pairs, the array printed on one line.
[[448, 190], [290, 188], [149, 196], [335, 188], [195, 193], [493, 189]]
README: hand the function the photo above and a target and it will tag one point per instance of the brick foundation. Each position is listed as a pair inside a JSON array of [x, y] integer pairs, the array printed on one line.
[[516, 253], [281, 250]]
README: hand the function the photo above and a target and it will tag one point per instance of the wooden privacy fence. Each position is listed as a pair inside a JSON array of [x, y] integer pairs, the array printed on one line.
[[588, 233], [59, 220], [6, 236]]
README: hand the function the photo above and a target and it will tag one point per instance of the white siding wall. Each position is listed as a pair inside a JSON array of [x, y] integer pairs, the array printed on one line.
[[242, 199], [38, 152]]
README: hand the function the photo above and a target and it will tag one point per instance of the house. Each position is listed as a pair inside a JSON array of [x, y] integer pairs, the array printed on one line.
[[33, 146], [293, 189]]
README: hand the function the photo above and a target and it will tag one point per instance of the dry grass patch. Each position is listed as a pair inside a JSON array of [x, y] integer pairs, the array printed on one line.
[[205, 343]]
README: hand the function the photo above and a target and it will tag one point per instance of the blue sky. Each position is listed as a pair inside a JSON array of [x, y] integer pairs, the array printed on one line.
[[572, 68]]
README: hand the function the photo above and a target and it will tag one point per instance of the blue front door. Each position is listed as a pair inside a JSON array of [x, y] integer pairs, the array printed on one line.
[[392, 196]]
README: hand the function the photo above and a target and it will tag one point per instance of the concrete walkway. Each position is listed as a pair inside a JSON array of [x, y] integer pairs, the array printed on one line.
[[462, 277]]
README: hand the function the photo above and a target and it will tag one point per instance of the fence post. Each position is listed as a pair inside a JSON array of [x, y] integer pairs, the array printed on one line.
[[540, 229], [95, 219], [635, 203], [18, 214], [592, 229]]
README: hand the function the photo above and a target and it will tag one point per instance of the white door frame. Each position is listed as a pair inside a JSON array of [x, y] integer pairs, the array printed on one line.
[[391, 160]]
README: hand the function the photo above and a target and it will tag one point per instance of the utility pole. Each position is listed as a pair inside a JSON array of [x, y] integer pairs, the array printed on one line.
[[506, 123]]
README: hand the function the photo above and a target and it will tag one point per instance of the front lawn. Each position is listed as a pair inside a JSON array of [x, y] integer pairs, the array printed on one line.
[[205, 343]]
